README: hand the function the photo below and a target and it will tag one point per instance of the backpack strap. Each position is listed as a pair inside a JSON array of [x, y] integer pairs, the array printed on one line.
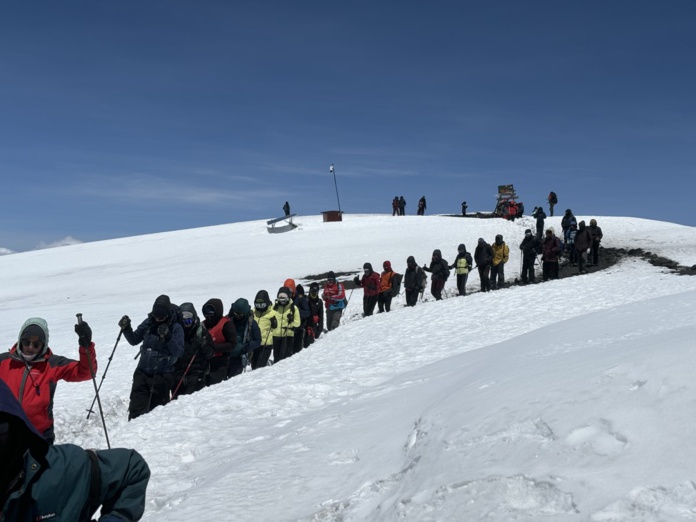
[[95, 482]]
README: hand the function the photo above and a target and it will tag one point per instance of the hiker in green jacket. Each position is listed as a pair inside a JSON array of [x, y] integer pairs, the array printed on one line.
[[63, 482]]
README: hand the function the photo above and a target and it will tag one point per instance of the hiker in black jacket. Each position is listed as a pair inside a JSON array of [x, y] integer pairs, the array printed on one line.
[[414, 281], [530, 246], [440, 270], [191, 368], [483, 256], [540, 216], [462, 266]]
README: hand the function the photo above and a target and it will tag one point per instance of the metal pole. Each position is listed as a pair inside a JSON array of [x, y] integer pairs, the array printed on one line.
[[331, 169]]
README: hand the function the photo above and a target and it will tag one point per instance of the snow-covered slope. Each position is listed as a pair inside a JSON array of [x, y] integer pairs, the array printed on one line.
[[567, 400]]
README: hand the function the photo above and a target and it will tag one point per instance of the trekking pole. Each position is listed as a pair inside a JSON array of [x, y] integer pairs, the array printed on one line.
[[96, 390], [183, 376], [90, 411]]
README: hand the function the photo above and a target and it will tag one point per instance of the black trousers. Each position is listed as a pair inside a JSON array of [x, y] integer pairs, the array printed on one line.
[[369, 302], [298, 340], [484, 275], [594, 253], [412, 297], [384, 300], [148, 392], [461, 283], [528, 269], [260, 357], [282, 348], [218, 369], [550, 270]]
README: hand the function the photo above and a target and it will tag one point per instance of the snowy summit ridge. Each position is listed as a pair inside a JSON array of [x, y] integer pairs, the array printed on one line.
[[562, 401]]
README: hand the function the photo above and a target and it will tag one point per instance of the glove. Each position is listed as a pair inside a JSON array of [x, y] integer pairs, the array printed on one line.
[[315, 319], [274, 323], [125, 323], [291, 317], [163, 331], [84, 334], [356, 280]]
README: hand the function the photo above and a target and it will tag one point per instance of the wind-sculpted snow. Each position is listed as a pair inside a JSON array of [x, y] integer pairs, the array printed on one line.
[[568, 400]]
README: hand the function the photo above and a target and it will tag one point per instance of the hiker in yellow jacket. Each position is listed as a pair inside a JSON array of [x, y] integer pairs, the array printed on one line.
[[501, 254]]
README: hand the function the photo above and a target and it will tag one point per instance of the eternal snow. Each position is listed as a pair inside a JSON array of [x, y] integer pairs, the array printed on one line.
[[562, 401]]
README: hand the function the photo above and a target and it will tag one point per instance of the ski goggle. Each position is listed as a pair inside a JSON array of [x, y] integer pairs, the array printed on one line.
[[283, 300], [260, 305], [35, 344], [187, 318]]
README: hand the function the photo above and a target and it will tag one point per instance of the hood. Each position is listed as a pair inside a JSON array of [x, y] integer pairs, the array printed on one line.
[[40, 328], [299, 290], [386, 265], [368, 266], [437, 253], [240, 306], [10, 406], [262, 295], [162, 306], [216, 304], [290, 284], [189, 308], [461, 248]]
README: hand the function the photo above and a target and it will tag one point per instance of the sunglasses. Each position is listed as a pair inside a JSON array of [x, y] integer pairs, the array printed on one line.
[[35, 344]]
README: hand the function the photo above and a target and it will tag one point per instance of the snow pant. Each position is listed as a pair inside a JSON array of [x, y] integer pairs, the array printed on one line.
[[384, 301], [402, 211], [594, 253], [580, 256], [395, 211], [484, 275], [298, 340], [235, 366], [550, 270], [369, 302], [572, 254], [260, 356], [412, 297], [282, 348], [497, 275], [192, 382], [333, 318], [461, 283], [528, 269], [551, 209], [148, 392], [310, 333], [436, 287], [540, 230], [218, 369]]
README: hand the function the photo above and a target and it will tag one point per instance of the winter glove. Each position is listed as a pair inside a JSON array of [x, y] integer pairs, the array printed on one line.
[[162, 331], [291, 317], [274, 323], [356, 280], [84, 333], [125, 323]]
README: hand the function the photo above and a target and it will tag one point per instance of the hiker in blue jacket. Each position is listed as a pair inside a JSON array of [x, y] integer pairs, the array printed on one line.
[[63, 482]]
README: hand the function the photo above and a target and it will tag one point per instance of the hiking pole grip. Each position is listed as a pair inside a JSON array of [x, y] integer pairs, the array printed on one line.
[[79, 318]]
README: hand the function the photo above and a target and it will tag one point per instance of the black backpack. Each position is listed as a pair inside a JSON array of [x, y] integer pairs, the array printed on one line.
[[552, 198], [396, 284], [179, 316]]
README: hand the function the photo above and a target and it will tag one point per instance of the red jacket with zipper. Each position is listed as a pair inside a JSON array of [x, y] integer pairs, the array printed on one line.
[[34, 383]]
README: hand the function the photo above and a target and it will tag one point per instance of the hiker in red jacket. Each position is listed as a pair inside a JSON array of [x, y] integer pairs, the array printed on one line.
[[370, 284], [31, 370]]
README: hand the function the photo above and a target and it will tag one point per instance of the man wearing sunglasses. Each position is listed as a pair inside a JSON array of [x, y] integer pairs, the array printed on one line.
[[32, 370]]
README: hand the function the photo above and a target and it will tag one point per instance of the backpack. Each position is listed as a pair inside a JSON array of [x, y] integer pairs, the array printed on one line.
[[179, 315], [396, 284], [469, 261], [424, 279], [552, 198]]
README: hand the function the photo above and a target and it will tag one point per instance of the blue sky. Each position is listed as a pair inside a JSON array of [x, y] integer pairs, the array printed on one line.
[[125, 118]]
